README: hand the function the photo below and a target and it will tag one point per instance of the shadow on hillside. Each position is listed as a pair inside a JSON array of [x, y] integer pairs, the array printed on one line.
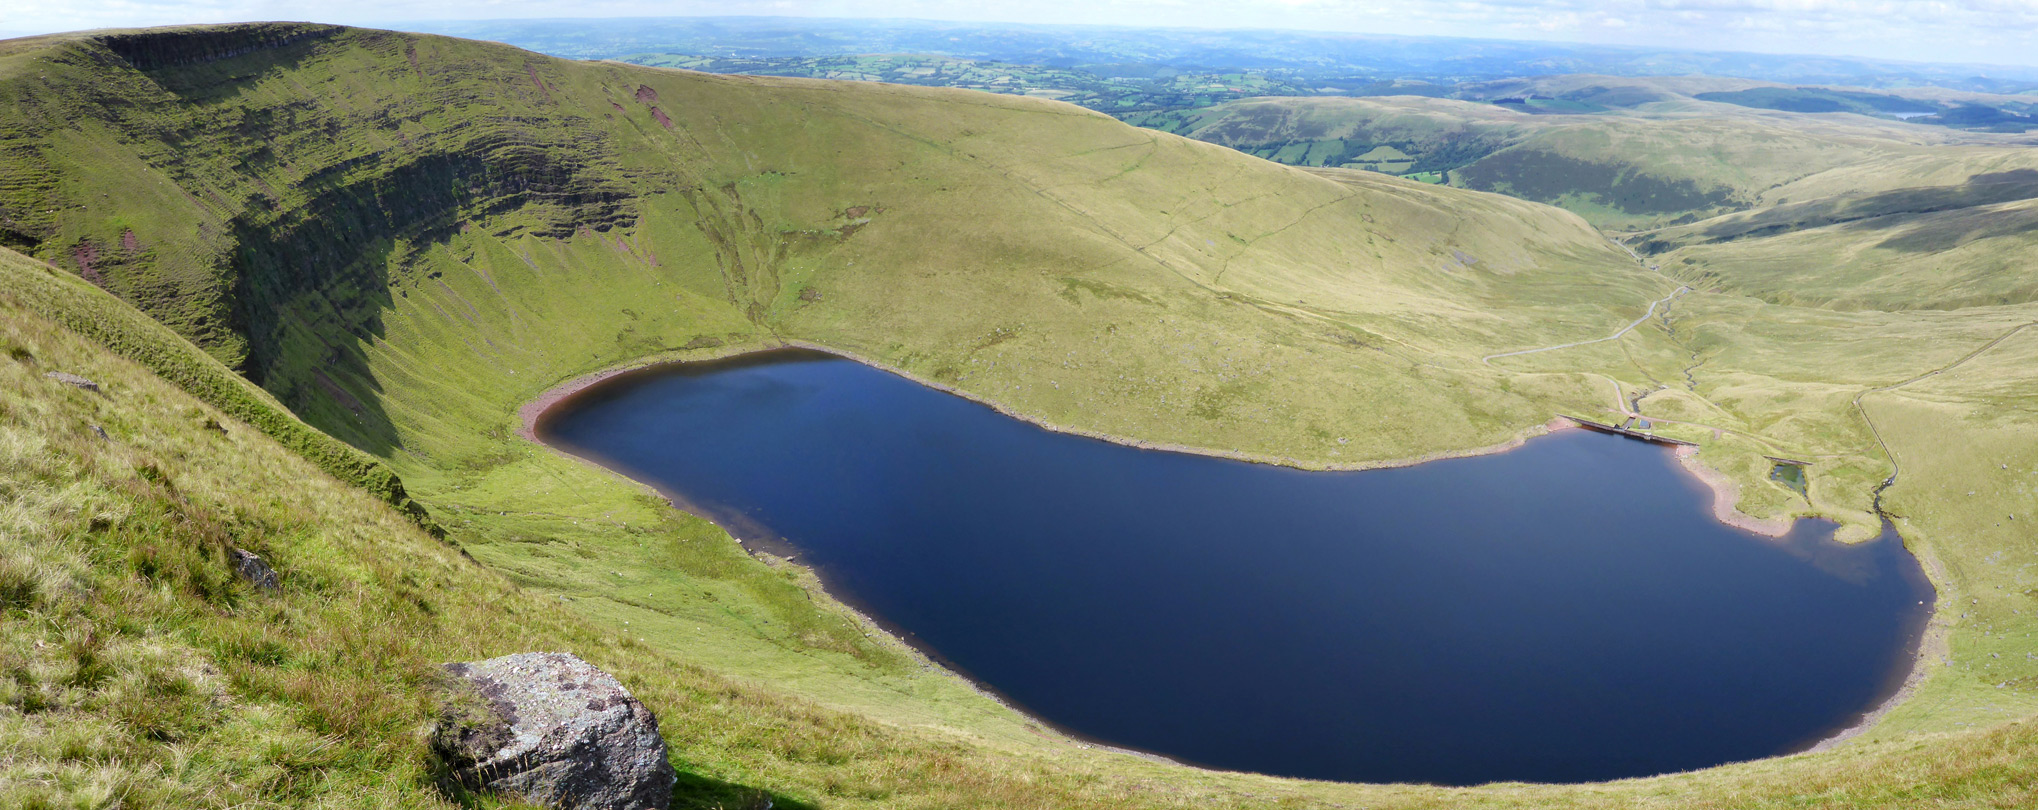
[[1884, 210], [190, 61], [334, 206], [704, 793], [1952, 232], [1549, 177]]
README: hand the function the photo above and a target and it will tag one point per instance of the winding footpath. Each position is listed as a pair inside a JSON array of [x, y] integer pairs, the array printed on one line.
[[1623, 407], [1488, 359], [1894, 468]]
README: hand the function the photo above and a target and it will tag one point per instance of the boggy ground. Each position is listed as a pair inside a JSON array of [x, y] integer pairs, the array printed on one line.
[[1059, 264]]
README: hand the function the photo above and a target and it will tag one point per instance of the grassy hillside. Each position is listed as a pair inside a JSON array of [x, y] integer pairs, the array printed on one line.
[[403, 239], [1112, 89], [141, 673], [1429, 134], [1623, 153], [1934, 245], [1618, 171], [731, 226]]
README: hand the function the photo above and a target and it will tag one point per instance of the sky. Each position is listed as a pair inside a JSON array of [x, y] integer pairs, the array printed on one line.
[[1962, 31]]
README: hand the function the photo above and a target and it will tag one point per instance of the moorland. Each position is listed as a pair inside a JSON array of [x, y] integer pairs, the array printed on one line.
[[316, 272]]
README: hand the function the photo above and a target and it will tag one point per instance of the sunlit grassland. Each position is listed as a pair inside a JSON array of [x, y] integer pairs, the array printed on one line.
[[1969, 456], [1650, 165], [1971, 257], [140, 671]]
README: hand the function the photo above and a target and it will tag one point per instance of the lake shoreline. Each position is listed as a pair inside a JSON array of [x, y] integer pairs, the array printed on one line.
[[1726, 495], [1934, 643], [533, 411], [773, 553]]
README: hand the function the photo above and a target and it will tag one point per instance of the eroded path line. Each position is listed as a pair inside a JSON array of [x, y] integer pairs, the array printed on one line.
[[1895, 468], [1488, 359]]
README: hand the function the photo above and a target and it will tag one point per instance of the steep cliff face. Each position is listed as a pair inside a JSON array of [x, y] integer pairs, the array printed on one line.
[[160, 48], [255, 186], [212, 174]]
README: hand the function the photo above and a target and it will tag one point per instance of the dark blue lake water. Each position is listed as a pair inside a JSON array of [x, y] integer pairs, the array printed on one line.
[[1568, 611]]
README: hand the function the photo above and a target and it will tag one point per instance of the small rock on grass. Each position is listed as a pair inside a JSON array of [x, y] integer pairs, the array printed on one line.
[[252, 568], [68, 378]]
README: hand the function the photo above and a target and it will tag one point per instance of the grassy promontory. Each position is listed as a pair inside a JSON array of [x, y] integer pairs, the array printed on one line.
[[404, 239]]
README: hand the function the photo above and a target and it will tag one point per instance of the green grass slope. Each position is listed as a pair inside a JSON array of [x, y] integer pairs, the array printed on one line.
[[164, 353], [1641, 154], [139, 672], [1431, 133], [467, 184], [768, 210], [1935, 245], [404, 239]]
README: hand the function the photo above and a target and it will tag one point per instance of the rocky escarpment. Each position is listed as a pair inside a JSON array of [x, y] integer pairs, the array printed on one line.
[[159, 48], [254, 181], [553, 730]]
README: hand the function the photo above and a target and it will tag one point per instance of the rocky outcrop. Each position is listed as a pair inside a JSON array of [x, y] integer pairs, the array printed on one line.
[[195, 45], [553, 730]]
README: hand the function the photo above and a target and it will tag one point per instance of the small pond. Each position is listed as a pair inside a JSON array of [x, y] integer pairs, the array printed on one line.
[[1568, 611], [1792, 476]]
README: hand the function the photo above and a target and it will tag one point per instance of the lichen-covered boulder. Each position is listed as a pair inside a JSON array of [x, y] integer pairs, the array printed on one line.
[[552, 730]]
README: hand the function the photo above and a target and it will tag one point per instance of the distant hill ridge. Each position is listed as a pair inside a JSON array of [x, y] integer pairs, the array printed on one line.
[[1329, 56]]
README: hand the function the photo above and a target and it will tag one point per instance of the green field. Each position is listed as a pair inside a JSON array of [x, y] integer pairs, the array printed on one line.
[[403, 239]]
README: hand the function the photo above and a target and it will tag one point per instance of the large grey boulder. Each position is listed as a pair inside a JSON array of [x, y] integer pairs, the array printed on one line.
[[552, 730]]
